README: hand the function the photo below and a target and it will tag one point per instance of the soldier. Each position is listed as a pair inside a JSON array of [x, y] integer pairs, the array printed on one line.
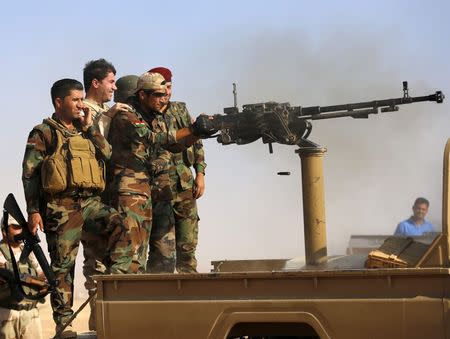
[[185, 190], [62, 178], [100, 84], [18, 319], [135, 146]]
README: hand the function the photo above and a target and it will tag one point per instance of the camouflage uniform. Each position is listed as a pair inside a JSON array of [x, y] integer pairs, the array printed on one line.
[[95, 245], [162, 237], [183, 205], [135, 148], [66, 214]]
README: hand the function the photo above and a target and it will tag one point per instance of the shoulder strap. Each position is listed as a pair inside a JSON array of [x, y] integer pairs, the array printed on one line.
[[58, 132]]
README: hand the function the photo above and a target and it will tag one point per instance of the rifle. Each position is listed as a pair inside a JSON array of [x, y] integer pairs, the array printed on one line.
[[31, 244], [290, 125]]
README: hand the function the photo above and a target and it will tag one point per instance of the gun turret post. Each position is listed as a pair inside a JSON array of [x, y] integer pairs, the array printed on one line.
[[313, 203]]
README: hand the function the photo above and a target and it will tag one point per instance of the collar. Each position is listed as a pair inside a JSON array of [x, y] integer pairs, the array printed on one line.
[[98, 108]]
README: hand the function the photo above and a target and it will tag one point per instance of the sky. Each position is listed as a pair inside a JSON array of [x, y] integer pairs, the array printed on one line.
[[302, 52]]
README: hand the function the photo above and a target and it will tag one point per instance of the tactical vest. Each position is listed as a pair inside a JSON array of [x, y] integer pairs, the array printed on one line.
[[72, 165], [26, 268]]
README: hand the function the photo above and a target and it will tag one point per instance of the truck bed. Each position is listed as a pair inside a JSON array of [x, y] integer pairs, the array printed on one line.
[[306, 303]]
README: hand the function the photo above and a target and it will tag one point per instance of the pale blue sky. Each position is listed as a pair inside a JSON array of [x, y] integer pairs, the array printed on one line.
[[308, 53]]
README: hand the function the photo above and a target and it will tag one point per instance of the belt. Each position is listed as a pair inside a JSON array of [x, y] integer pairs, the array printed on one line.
[[19, 307], [72, 196]]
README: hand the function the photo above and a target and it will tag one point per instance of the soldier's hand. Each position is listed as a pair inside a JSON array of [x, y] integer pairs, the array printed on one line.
[[86, 120], [199, 185], [204, 126], [35, 221], [119, 107]]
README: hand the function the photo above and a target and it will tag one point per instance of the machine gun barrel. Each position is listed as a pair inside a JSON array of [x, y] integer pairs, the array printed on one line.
[[362, 109]]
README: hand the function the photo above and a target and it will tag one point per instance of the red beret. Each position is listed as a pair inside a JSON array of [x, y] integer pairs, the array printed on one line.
[[165, 72]]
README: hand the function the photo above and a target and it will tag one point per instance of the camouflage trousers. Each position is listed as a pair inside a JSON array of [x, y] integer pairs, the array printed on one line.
[[161, 257], [136, 211], [185, 216], [65, 220]]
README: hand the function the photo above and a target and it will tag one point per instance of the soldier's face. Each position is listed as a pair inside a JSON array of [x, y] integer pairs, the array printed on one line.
[[155, 101], [106, 87], [69, 108], [13, 230]]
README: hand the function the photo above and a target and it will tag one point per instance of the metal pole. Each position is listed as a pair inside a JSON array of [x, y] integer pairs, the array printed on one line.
[[313, 204], [446, 200]]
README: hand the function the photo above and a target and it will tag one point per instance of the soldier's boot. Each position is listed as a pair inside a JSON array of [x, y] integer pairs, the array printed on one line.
[[68, 332]]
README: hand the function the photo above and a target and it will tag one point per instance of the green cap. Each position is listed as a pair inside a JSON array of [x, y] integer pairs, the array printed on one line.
[[126, 87]]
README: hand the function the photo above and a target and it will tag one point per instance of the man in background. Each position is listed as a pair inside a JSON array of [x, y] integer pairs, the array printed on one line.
[[416, 224]]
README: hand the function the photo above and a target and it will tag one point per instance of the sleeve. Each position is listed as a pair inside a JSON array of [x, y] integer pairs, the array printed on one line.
[[163, 138], [99, 141], [199, 152], [199, 157], [137, 128], [162, 162], [400, 229], [35, 152]]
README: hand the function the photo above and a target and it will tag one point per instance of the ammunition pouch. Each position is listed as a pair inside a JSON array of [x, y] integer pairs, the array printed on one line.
[[54, 169], [85, 171]]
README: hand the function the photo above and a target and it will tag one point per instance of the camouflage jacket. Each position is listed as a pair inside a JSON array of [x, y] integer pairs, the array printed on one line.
[[98, 115], [41, 142], [135, 143], [194, 156]]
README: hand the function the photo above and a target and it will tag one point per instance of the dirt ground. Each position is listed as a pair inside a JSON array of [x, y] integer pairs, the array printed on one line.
[[48, 325]]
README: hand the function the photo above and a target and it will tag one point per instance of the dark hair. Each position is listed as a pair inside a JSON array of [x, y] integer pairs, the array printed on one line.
[[62, 88], [420, 201], [96, 69]]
